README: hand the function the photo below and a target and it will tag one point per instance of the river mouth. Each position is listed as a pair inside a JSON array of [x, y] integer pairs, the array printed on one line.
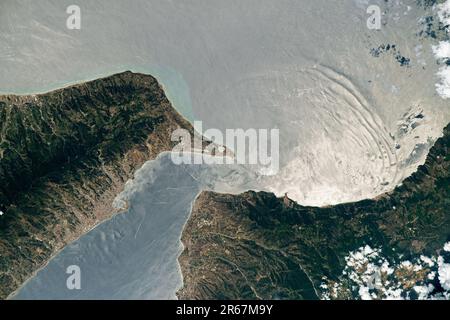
[[349, 122]]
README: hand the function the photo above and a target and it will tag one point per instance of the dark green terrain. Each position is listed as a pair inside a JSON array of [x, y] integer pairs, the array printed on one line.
[[256, 245], [65, 155]]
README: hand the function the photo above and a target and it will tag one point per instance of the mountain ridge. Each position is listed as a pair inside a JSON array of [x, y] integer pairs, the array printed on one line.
[[257, 246], [65, 155]]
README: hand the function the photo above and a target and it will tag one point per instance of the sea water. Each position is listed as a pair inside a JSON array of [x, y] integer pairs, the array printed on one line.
[[353, 124], [134, 254]]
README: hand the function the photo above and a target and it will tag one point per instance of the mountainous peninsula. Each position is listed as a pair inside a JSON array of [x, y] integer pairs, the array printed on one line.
[[65, 156], [258, 246]]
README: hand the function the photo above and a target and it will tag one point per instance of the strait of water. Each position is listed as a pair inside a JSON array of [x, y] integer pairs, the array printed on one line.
[[347, 121]]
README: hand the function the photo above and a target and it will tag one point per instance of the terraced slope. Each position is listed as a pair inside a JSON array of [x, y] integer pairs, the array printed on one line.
[[256, 245], [65, 155]]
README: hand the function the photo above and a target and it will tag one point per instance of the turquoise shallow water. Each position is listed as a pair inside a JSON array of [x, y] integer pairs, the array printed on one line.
[[176, 89], [304, 67], [301, 66]]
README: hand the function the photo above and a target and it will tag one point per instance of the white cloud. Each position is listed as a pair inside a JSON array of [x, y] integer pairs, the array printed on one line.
[[428, 261], [444, 273], [442, 50], [364, 293], [424, 291], [443, 88], [447, 247], [444, 12], [369, 275]]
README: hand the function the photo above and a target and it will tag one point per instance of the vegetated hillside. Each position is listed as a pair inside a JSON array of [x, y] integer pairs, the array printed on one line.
[[256, 245], [65, 155]]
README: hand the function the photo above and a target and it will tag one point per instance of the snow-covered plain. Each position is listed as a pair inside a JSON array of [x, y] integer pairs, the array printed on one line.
[[352, 125]]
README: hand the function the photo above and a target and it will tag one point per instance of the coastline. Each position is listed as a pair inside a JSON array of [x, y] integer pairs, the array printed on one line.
[[134, 158]]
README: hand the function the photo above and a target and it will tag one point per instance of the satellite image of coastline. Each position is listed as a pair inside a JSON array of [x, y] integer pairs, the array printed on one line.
[[240, 150]]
